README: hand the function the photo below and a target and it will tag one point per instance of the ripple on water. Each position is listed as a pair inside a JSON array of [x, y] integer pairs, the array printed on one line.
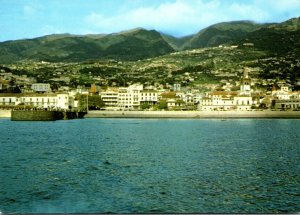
[[150, 166]]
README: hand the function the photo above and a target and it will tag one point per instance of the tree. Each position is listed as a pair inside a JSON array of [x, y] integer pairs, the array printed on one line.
[[94, 102], [145, 106], [162, 105]]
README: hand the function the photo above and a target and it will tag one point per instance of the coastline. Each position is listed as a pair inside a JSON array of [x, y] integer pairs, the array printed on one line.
[[194, 114], [184, 114]]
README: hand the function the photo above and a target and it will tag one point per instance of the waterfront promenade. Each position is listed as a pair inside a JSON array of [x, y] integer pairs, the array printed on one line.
[[183, 114], [193, 114]]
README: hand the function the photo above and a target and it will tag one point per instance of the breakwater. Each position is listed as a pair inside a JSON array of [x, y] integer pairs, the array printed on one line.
[[174, 114], [193, 114], [27, 115], [41, 115]]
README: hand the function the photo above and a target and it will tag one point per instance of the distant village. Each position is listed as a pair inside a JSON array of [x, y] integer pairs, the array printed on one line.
[[136, 96]]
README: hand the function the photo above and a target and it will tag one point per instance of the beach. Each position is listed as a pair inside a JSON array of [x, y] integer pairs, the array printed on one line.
[[5, 113]]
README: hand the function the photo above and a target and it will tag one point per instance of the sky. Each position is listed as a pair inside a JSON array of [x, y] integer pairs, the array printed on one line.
[[24, 19]]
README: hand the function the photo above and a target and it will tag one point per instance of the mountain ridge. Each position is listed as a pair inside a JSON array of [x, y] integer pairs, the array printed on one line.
[[139, 43]]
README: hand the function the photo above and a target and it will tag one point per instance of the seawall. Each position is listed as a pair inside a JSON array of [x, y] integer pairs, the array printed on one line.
[[193, 114], [27, 115], [5, 113], [182, 114]]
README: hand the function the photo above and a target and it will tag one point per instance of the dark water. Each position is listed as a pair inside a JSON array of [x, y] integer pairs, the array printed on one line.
[[150, 166]]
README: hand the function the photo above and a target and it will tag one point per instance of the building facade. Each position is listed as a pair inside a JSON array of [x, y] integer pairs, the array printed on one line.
[[128, 97], [41, 87], [230, 100], [49, 101], [110, 98]]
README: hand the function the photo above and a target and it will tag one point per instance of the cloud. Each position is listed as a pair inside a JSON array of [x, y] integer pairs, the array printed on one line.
[[249, 12], [183, 17], [166, 17], [49, 29]]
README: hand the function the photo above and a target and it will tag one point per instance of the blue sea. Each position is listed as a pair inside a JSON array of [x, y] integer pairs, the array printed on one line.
[[150, 166]]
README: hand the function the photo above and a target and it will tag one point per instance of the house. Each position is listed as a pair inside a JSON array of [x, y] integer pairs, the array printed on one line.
[[285, 99], [291, 104], [128, 97], [50, 100], [148, 96], [172, 100], [41, 87], [110, 97], [218, 100], [283, 94]]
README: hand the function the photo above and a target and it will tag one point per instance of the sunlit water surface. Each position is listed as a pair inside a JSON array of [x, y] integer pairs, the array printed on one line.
[[150, 166]]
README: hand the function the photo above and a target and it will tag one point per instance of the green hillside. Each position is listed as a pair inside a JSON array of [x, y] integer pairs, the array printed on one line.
[[221, 33], [133, 45], [138, 44]]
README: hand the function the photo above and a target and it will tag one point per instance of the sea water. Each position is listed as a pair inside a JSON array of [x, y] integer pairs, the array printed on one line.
[[150, 166]]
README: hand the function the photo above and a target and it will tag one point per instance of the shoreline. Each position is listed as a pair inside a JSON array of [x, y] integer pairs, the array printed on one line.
[[184, 114], [194, 114]]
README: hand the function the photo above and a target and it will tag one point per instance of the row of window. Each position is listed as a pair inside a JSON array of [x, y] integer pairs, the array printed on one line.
[[227, 103], [128, 99], [31, 99], [150, 94]]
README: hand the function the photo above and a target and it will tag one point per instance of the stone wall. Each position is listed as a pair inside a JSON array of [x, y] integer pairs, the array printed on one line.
[[27, 115]]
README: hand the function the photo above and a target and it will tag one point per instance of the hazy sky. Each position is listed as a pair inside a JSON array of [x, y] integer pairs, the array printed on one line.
[[21, 19]]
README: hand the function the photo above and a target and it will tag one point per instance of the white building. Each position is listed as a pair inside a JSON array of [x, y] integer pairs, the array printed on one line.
[[110, 97], [52, 101], [177, 87], [245, 87], [283, 94], [128, 97], [230, 100], [223, 100], [41, 87], [148, 97]]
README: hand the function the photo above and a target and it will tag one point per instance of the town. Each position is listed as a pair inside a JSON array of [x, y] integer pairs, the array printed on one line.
[[136, 96]]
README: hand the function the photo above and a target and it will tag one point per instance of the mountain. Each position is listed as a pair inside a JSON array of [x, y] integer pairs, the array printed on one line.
[[289, 25], [136, 44], [278, 38], [176, 43], [221, 33], [131, 45]]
